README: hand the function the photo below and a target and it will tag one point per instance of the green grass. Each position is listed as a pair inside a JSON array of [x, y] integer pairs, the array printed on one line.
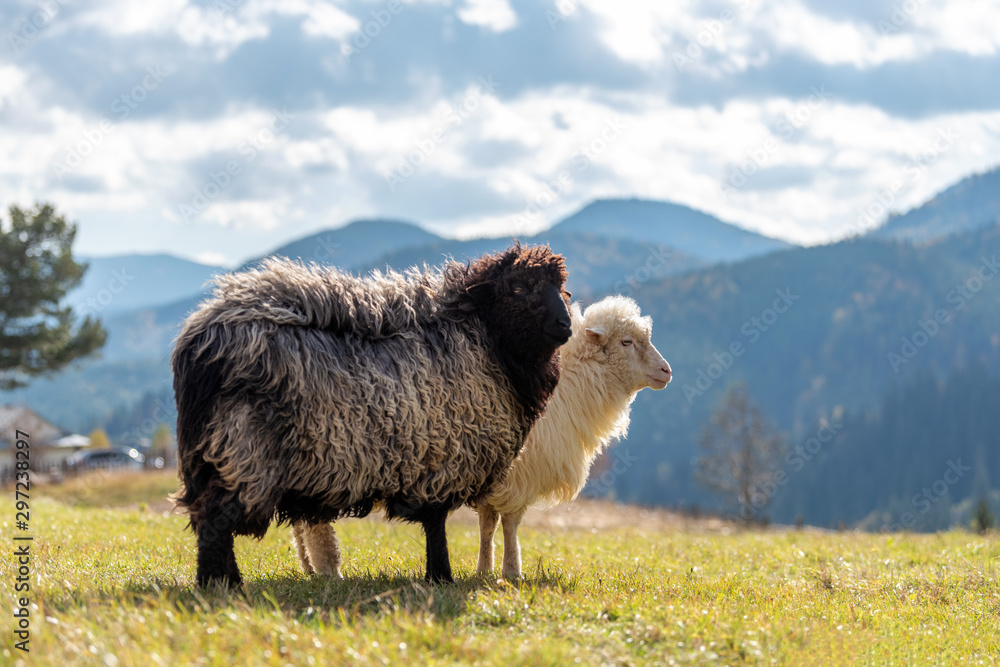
[[113, 585]]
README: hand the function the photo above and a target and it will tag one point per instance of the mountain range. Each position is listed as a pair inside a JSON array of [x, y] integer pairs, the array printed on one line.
[[826, 332], [672, 225], [605, 240], [861, 318], [131, 282], [970, 204]]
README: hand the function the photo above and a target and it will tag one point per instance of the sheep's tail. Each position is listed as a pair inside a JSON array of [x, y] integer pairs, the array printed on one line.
[[197, 382]]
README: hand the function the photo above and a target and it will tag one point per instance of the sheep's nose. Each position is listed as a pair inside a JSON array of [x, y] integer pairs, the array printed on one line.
[[559, 331], [666, 369]]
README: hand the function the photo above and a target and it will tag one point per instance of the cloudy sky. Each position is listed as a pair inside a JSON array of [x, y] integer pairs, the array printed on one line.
[[216, 129]]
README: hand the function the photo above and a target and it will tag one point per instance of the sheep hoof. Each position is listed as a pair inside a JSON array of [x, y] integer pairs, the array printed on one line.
[[223, 584], [440, 578], [331, 572]]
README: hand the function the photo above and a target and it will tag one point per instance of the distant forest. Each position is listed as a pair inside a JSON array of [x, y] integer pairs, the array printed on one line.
[[922, 461]]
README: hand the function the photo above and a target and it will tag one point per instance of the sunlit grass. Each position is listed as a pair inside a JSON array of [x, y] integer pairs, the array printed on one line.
[[114, 586]]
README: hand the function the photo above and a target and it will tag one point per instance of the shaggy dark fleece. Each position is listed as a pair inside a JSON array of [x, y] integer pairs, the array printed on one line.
[[308, 394]]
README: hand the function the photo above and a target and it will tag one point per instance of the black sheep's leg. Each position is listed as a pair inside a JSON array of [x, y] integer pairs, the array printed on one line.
[[438, 563], [216, 557]]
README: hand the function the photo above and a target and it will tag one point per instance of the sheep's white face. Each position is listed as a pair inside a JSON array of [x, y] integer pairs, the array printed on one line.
[[622, 338]]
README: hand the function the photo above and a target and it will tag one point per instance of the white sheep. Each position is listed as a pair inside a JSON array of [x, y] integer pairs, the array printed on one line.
[[608, 359], [606, 362]]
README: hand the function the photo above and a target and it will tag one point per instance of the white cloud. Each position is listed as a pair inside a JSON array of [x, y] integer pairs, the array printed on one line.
[[211, 258], [223, 24], [967, 26], [131, 17], [794, 27], [329, 168], [740, 32], [637, 30], [321, 18], [850, 154], [495, 15]]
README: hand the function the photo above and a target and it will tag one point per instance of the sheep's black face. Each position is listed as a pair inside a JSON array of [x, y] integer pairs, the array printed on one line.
[[529, 314], [521, 297], [541, 306], [555, 311], [532, 313]]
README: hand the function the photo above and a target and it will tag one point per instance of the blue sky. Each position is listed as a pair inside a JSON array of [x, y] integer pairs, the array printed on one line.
[[218, 129]]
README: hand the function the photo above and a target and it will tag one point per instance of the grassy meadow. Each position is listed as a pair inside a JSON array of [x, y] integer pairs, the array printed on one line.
[[112, 576]]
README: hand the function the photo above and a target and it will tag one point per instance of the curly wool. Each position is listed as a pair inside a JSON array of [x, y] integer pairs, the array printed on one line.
[[589, 409], [302, 418]]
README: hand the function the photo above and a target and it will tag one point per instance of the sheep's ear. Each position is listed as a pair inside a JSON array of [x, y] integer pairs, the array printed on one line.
[[597, 336], [481, 293]]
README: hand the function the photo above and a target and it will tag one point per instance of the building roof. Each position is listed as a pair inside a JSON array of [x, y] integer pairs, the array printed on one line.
[[75, 440], [15, 418]]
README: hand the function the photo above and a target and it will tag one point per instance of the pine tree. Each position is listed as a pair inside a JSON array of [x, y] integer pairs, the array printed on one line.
[[37, 269]]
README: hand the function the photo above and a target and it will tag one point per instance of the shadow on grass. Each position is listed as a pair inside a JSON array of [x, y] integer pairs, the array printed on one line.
[[305, 598], [309, 598]]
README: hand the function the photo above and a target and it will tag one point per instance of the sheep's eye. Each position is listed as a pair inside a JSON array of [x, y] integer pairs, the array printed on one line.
[[519, 290], [626, 342]]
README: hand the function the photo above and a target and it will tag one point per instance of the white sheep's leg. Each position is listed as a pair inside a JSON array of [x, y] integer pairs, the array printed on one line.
[[324, 552], [488, 519], [511, 547], [299, 540]]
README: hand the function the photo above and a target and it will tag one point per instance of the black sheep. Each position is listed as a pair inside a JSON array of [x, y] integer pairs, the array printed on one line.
[[307, 394]]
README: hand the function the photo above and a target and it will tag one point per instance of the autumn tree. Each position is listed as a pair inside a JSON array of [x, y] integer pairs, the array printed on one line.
[[741, 453], [99, 439], [162, 439], [38, 336]]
